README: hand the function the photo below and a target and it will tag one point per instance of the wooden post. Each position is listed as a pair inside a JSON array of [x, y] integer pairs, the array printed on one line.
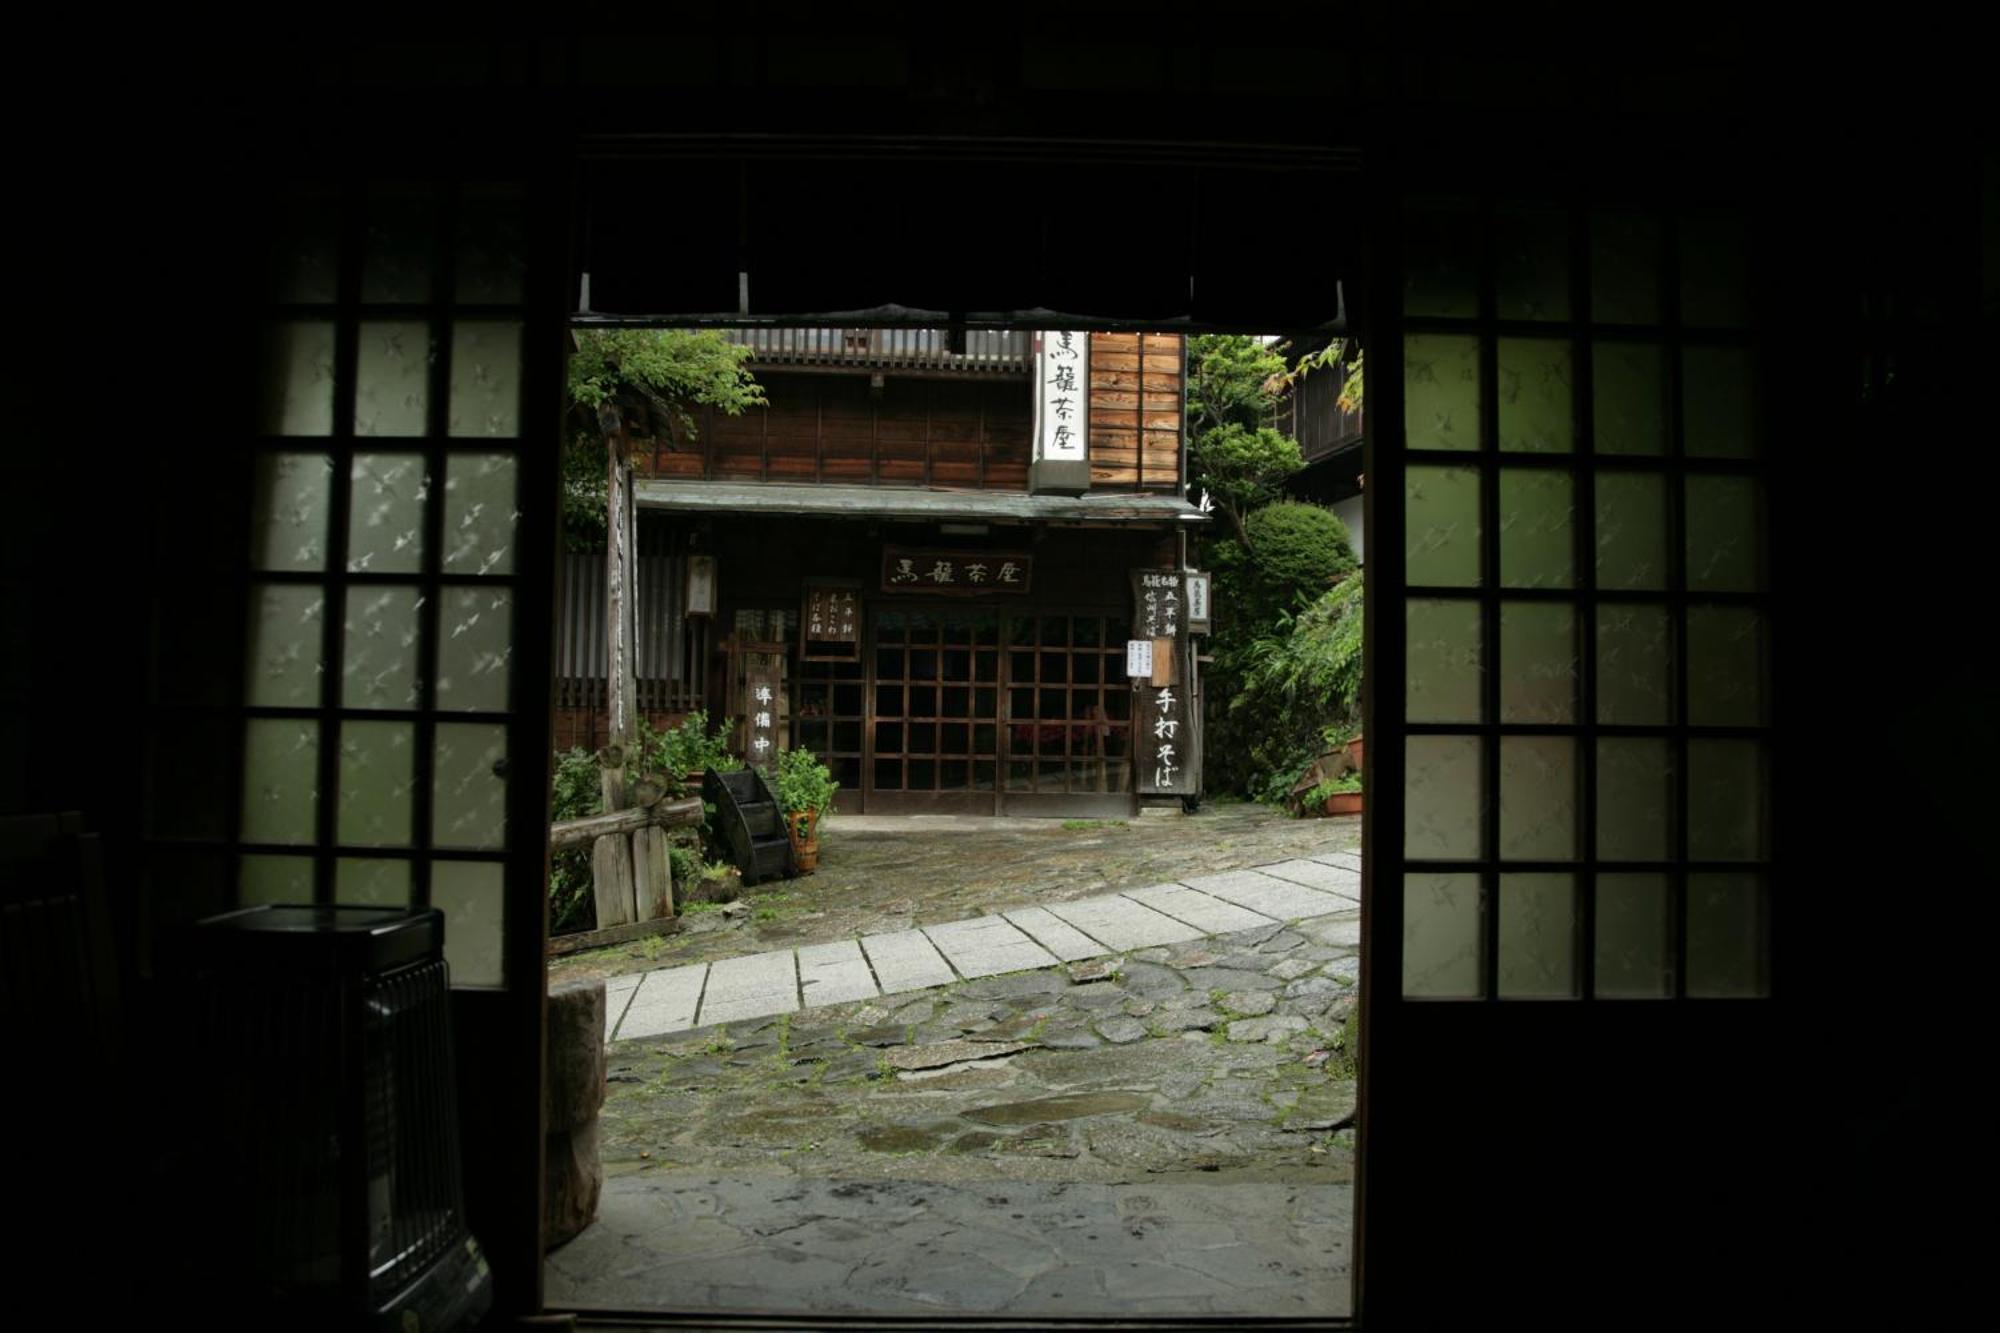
[[611, 879], [652, 873], [620, 689]]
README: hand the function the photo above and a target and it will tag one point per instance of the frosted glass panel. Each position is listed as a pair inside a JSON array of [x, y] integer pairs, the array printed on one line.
[[1536, 538], [1442, 676], [1537, 946], [1440, 254], [377, 761], [1635, 798], [479, 514], [288, 516], [1441, 391], [1726, 937], [1635, 665], [398, 248], [297, 392], [287, 622], [474, 648], [392, 381], [1635, 932], [1531, 263], [471, 896], [373, 881], [1538, 662], [380, 650], [1715, 271], [1538, 788], [273, 880], [1441, 956], [1631, 530], [491, 245], [385, 521], [469, 799], [1442, 513], [1444, 802], [1726, 800], [1537, 396], [280, 780], [1724, 547], [485, 378], [1625, 269], [1725, 666], [1629, 403], [1718, 402]]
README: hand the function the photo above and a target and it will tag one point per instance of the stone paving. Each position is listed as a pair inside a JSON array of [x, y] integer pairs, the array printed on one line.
[[1147, 1128], [675, 999]]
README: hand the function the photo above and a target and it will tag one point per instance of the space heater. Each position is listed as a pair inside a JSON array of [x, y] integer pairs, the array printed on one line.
[[332, 1156]]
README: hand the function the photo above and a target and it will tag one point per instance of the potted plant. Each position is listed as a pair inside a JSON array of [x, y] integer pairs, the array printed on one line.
[[805, 789], [1336, 796]]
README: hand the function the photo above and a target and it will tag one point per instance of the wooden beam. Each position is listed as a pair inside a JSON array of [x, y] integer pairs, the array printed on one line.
[[625, 934], [683, 813]]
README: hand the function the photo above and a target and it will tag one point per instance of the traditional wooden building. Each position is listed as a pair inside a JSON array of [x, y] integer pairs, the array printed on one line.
[[921, 560]]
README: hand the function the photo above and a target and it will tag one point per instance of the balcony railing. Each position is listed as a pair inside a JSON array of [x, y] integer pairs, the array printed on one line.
[[996, 352]]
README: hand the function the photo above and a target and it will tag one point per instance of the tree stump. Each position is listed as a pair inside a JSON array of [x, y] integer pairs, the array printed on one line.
[[573, 1174]]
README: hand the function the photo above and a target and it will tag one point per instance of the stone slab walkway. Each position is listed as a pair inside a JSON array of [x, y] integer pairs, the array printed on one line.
[[678, 999]]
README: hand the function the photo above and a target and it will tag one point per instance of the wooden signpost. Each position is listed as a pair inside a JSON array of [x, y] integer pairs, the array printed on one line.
[[1166, 722]]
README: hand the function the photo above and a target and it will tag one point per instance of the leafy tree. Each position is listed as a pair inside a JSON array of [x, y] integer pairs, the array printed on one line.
[[1232, 384], [675, 370]]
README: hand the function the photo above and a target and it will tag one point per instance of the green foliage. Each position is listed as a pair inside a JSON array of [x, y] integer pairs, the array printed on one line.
[[577, 793], [1331, 787], [1298, 551], [1233, 382], [804, 783], [1242, 467], [676, 369], [691, 747], [1232, 379], [1342, 356], [1299, 691]]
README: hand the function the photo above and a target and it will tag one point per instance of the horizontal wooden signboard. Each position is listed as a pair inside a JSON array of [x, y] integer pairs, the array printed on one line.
[[956, 573]]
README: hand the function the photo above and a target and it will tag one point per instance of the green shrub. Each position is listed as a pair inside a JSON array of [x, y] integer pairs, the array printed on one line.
[[1298, 551], [1300, 691], [804, 783], [690, 747]]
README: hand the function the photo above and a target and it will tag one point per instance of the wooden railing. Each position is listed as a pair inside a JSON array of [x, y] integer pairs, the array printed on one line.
[[983, 351]]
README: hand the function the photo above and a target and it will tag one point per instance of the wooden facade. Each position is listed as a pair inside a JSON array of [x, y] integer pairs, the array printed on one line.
[[950, 697], [1136, 408]]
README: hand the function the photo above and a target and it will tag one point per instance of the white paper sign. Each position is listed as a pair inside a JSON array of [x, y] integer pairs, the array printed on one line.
[[1139, 659], [1062, 396], [1197, 599]]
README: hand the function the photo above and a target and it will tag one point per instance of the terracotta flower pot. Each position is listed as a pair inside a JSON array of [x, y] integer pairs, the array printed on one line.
[[1344, 803], [803, 826]]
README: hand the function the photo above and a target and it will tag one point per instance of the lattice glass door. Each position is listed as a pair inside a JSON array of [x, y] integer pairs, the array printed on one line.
[[1580, 651]]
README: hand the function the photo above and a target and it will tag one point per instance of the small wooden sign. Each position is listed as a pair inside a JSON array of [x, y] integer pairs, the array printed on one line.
[[1157, 609], [956, 573], [830, 622]]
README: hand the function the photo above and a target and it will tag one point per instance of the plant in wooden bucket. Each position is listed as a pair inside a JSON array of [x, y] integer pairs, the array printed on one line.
[[805, 793]]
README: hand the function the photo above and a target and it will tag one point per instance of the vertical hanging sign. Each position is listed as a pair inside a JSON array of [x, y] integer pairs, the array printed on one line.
[[1166, 729], [760, 716], [1061, 464]]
